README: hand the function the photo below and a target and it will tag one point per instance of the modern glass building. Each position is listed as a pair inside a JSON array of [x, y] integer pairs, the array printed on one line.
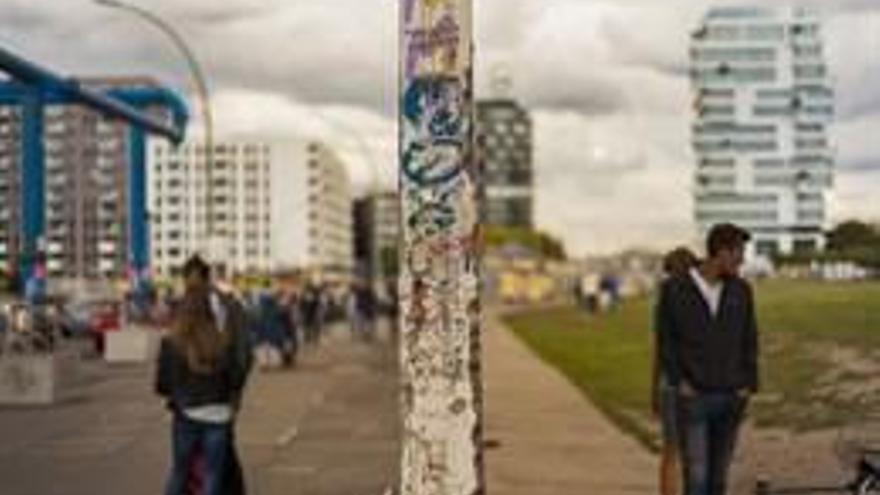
[[505, 130], [762, 105]]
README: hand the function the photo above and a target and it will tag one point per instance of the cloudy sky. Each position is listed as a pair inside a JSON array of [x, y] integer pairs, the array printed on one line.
[[606, 81]]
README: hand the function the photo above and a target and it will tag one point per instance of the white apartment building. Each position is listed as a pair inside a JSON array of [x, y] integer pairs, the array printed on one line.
[[241, 206], [763, 104], [313, 208]]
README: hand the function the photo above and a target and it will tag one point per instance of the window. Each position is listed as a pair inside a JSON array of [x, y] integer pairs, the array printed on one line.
[[775, 111], [819, 110], [809, 71], [767, 247], [804, 30], [809, 127], [769, 163], [807, 50], [766, 32], [810, 143], [720, 32], [805, 246], [716, 110], [735, 54]]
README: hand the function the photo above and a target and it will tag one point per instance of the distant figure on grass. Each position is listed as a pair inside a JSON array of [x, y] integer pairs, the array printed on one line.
[[709, 353], [676, 264], [203, 366]]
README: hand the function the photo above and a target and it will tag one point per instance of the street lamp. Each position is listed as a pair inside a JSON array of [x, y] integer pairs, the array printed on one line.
[[201, 85]]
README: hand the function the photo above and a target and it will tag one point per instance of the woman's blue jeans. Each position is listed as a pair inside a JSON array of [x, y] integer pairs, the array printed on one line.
[[187, 437]]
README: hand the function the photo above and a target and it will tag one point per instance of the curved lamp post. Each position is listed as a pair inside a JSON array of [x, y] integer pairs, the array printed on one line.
[[201, 89]]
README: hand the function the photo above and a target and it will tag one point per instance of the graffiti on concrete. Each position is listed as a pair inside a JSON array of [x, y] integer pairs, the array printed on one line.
[[439, 283], [439, 44], [435, 131]]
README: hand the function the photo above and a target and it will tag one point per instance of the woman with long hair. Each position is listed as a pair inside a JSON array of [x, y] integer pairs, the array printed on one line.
[[199, 376], [677, 263]]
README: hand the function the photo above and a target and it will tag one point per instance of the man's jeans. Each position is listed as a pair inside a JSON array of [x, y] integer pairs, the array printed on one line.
[[708, 426], [187, 437]]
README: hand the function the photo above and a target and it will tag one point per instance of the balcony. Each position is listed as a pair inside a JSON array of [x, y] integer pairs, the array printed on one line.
[[108, 248], [55, 248]]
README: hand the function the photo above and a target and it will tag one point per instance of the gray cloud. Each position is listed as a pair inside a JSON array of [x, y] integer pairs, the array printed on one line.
[[604, 77]]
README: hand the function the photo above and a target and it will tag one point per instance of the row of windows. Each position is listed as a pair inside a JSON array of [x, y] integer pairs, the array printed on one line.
[[727, 74], [814, 90], [807, 50], [219, 149], [730, 127], [793, 180], [730, 198], [788, 111], [769, 163], [716, 111], [736, 216], [738, 146], [716, 180], [814, 143], [745, 54], [810, 215], [810, 71], [810, 197], [763, 32]]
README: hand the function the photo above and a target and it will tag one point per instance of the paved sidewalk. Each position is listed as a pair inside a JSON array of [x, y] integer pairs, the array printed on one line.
[[552, 440], [330, 427]]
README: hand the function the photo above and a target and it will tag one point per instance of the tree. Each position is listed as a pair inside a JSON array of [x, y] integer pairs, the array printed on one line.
[[538, 242], [853, 235]]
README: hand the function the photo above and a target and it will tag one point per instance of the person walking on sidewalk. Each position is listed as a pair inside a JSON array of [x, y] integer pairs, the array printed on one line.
[[709, 353], [202, 369], [676, 264], [312, 309]]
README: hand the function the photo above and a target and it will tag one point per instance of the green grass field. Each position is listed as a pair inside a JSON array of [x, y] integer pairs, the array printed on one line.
[[820, 346]]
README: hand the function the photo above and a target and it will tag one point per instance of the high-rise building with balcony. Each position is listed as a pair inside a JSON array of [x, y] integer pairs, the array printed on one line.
[[505, 135], [87, 162], [763, 104], [241, 206], [315, 227], [275, 206]]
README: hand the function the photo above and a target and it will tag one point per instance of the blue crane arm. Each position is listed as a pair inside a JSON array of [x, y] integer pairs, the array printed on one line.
[[69, 90]]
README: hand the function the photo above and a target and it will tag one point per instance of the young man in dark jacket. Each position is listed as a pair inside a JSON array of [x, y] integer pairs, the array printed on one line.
[[709, 353]]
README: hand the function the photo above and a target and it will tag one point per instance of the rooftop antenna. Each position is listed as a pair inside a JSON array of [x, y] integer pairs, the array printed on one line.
[[501, 81]]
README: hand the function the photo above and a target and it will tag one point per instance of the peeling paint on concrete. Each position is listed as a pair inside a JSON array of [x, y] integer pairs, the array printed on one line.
[[439, 285]]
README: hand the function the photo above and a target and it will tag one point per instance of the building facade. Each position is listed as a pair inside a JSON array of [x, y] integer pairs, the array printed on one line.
[[241, 206], [87, 162], [314, 224], [505, 134], [763, 105], [377, 234]]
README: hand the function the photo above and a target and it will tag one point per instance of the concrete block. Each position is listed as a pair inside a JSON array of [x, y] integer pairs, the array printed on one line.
[[132, 345], [41, 379]]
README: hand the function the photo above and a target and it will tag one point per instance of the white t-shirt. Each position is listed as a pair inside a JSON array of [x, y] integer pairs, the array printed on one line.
[[711, 292]]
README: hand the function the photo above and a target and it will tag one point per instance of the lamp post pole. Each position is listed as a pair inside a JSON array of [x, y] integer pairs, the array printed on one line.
[[203, 95]]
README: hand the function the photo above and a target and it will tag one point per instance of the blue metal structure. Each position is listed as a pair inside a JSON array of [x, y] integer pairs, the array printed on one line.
[[33, 87]]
